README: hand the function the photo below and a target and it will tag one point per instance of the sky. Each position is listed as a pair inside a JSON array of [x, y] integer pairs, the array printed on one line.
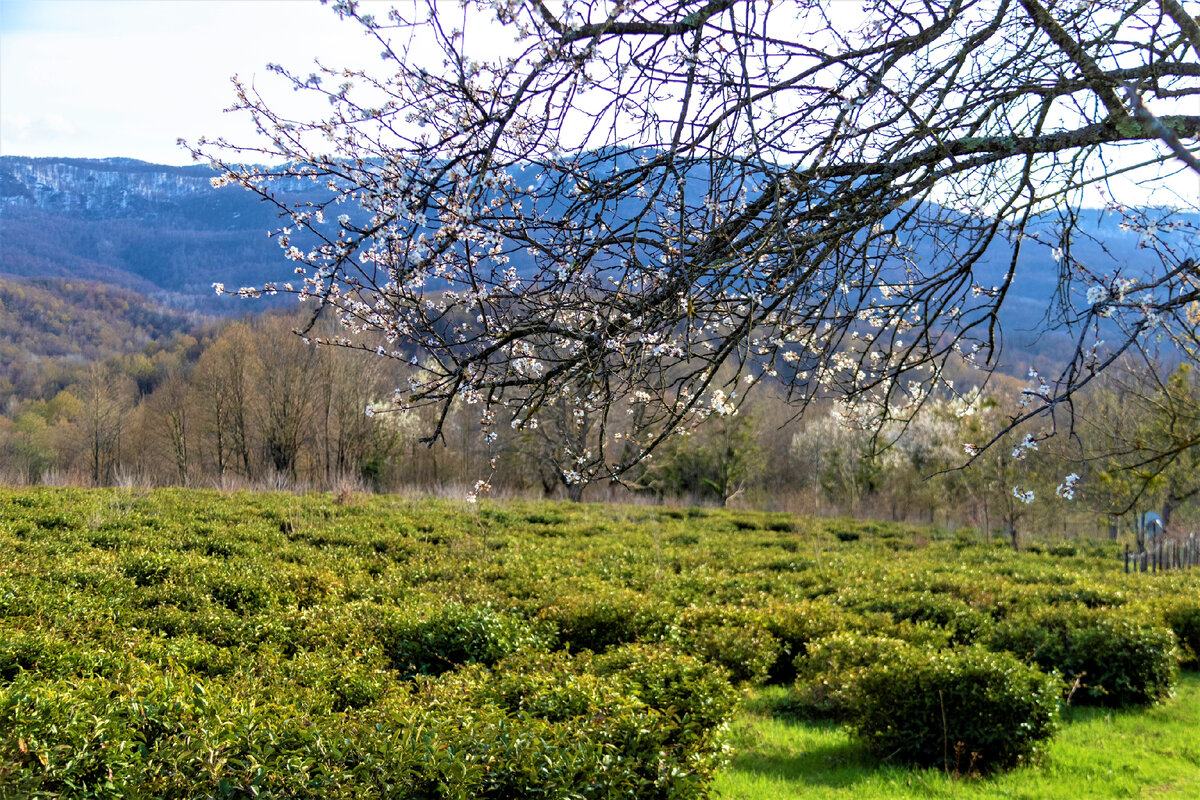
[[101, 78]]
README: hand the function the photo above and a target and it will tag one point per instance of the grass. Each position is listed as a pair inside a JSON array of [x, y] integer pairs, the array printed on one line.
[[1100, 753]]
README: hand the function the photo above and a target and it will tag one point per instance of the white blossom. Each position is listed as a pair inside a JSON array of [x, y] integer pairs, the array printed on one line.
[[1066, 489]]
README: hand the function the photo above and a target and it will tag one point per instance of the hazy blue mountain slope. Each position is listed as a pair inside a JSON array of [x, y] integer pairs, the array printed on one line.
[[166, 233], [159, 230]]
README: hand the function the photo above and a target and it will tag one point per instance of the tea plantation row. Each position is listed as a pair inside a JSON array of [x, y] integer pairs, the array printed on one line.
[[197, 644]]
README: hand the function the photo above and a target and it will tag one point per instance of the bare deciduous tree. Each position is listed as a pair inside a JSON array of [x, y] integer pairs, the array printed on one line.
[[674, 200]]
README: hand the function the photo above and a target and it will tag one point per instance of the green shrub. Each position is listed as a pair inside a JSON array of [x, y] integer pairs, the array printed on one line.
[[964, 623], [964, 538], [794, 626], [192, 654], [180, 644], [638, 721], [585, 621], [1083, 594], [356, 688], [241, 594], [543, 686], [962, 710], [1184, 619], [550, 518], [441, 639], [30, 652], [828, 673], [147, 570], [1105, 657], [698, 697], [746, 652]]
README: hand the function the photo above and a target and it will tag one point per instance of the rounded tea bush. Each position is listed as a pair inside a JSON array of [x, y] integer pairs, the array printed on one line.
[[795, 625], [746, 652], [964, 710], [828, 673], [964, 623], [437, 641], [596, 622], [1184, 619], [1105, 657], [695, 696]]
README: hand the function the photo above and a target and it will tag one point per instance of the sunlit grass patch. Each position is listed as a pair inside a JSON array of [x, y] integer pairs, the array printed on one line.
[[1099, 753]]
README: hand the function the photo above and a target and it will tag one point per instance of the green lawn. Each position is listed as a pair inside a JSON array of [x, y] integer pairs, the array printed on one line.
[[1099, 753]]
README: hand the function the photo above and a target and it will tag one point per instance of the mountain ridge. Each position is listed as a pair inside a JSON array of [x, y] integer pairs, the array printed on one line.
[[167, 233]]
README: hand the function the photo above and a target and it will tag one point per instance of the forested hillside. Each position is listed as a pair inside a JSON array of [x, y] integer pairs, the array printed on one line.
[[168, 233], [47, 321]]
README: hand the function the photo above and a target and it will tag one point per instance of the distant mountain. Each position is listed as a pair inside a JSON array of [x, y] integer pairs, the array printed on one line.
[[166, 233], [162, 231]]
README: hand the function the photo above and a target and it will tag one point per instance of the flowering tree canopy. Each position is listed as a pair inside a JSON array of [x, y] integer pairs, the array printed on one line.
[[639, 209]]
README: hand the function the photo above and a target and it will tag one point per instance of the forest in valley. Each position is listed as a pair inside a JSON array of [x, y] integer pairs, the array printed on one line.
[[101, 387]]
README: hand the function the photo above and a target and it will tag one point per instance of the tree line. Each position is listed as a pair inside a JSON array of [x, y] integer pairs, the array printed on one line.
[[251, 404]]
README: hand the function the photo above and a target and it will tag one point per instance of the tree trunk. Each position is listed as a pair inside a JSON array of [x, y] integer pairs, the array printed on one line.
[[987, 523]]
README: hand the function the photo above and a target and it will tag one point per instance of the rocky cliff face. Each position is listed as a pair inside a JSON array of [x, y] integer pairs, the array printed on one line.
[[97, 187], [160, 230]]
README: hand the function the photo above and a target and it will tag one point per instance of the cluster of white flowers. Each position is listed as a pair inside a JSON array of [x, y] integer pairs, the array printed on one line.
[[481, 486], [1025, 497], [721, 405], [1066, 489], [1145, 305], [1042, 389], [572, 477], [965, 405], [528, 367], [1024, 446]]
